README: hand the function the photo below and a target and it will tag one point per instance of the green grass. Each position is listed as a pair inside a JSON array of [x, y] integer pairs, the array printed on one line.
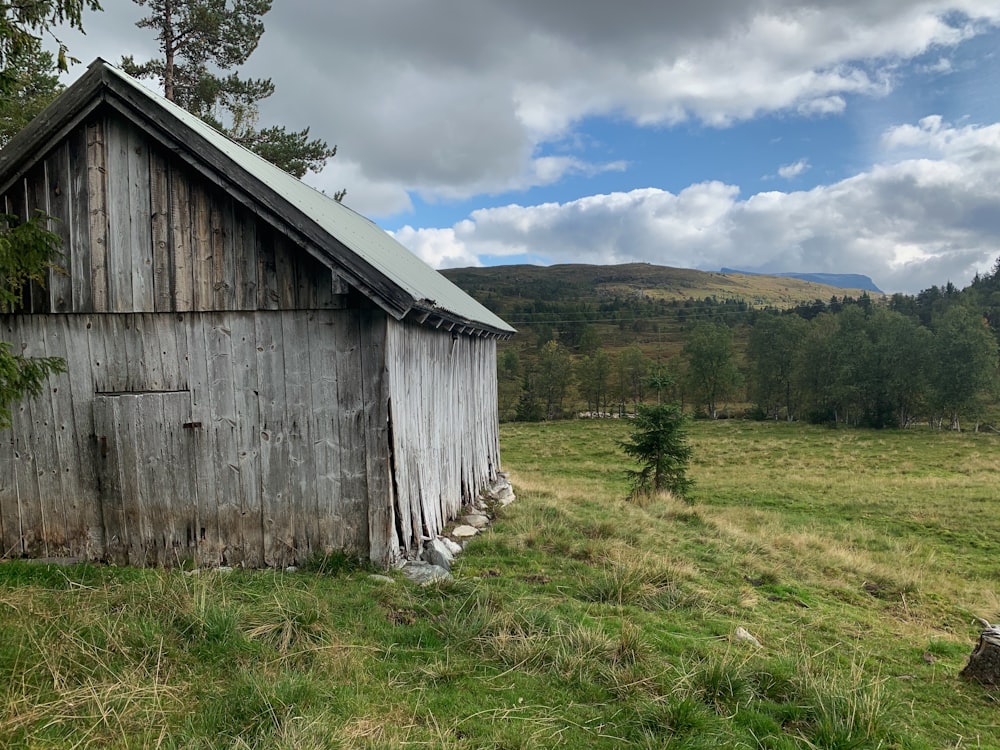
[[857, 559]]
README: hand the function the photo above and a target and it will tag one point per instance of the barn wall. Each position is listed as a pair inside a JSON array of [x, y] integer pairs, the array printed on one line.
[[143, 232], [236, 438], [444, 424]]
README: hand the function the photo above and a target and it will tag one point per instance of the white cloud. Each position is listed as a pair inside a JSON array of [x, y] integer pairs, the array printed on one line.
[[908, 224], [452, 100], [790, 171]]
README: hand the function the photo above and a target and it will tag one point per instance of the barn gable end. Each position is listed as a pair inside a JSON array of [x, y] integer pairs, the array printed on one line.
[[247, 383]]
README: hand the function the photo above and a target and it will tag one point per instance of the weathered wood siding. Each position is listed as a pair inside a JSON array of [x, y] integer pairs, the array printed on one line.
[[228, 398], [444, 424], [144, 232], [237, 438]]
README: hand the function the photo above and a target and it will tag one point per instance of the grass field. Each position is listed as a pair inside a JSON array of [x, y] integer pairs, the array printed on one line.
[[857, 559]]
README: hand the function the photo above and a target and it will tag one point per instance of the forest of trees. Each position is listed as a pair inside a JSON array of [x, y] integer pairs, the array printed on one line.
[[930, 358]]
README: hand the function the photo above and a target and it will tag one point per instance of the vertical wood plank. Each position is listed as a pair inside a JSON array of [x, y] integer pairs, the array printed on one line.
[[163, 292], [107, 417], [79, 222], [207, 530], [57, 174], [37, 200], [275, 467], [132, 347], [203, 267], [10, 520], [181, 240], [83, 511], [56, 449], [285, 273], [350, 420], [223, 428], [119, 260], [267, 271], [381, 523], [298, 413], [140, 227], [245, 258], [97, 193], [244, 343], [30, 432], [223, 263], [325, 429], [132, 498]]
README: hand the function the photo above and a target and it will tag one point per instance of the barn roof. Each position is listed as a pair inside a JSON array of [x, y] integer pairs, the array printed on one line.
[[353, 246]]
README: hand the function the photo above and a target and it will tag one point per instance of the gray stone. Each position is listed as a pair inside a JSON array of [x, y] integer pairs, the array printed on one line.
[[381, 578], [425, 574], [476, 520], [464, 531], [453, 547], [437, 553]]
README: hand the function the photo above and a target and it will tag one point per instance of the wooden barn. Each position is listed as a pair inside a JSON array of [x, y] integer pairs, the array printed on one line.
[[255, 373]]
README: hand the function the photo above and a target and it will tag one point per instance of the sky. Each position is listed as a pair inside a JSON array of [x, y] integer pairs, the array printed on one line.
[[859, 136]]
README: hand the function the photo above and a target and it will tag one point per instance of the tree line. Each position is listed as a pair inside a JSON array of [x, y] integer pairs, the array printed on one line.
[[930, 357]]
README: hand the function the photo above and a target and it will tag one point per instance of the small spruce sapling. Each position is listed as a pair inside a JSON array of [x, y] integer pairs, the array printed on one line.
[[659, 443]]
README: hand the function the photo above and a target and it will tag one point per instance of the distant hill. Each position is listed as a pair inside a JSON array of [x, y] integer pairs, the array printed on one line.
[[503, 287], [635, 303], [839, 280]]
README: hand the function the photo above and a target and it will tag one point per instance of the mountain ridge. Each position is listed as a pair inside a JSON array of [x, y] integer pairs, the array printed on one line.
[[838, 280]]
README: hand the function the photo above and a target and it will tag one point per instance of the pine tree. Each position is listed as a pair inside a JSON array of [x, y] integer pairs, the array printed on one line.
[[201, 42], [23, 24], [30, 84], [659, 443]]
